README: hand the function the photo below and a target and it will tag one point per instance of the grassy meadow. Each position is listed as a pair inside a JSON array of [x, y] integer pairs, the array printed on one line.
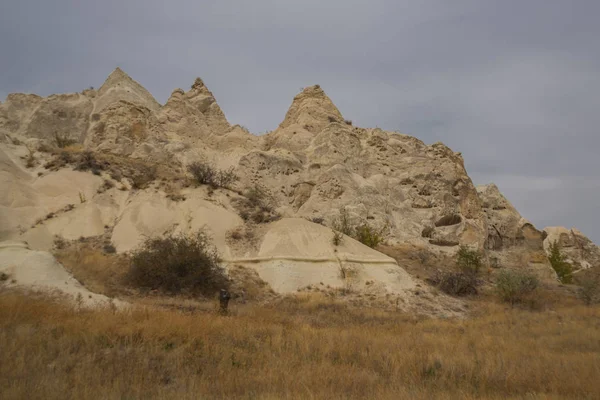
[[304, 347]]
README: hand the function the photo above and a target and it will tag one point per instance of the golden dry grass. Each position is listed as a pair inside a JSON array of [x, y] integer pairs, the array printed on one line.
[[99, 272], [305, 347]]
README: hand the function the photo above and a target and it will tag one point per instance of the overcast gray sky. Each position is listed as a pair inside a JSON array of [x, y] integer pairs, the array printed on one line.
[[512, 84]]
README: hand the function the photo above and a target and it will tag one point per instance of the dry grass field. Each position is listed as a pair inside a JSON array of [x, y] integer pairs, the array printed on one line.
[[305, 347]]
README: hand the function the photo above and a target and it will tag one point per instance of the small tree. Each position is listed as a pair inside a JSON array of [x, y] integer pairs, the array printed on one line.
[[469, 261], [514, 286], [561, 266]]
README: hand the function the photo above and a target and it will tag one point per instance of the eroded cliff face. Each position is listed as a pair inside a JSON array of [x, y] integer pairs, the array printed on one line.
[[314, 164], [580, 251]]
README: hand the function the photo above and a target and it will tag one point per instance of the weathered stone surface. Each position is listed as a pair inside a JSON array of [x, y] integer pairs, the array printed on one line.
[[580, 251], [313, 165]]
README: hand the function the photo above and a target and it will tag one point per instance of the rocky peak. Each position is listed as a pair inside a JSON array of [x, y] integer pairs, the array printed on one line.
[[493, 199], [199, 84], [120, 86], [194, 113], [312, 109]]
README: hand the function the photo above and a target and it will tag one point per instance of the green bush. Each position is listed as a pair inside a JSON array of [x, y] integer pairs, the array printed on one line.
[[207, 174], [514, 286], [364, 233], [176, 264], [469, 261], [557, 260], [367, 235]]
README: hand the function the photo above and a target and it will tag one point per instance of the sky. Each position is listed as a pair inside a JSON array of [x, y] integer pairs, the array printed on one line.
[[514, 85]]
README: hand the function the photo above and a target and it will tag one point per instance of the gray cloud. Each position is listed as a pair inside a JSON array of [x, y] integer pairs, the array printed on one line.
[[513, 85]]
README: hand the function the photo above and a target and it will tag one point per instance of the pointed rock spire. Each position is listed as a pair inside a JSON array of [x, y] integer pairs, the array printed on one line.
[[312, 109], [120, 86], [200, 104]]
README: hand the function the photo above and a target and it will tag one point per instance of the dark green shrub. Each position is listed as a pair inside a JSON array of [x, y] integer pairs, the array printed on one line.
[[176, 264], [514, 286], [557, 260], [368, 235], [469, 261], [364, 233]]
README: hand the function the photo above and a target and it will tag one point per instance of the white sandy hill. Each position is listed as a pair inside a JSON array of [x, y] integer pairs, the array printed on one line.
[[295, 253], [38, 270]]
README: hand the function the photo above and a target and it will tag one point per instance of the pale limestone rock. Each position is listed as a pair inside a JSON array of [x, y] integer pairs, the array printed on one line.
[[580, 251], [313, 164], [39, 271], [120, 87], [512, 241]]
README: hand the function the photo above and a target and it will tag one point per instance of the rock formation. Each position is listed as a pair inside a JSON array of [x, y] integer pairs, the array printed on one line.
[[314, 166]]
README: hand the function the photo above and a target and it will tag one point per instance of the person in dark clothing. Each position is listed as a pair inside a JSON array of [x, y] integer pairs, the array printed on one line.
[[224, 297]]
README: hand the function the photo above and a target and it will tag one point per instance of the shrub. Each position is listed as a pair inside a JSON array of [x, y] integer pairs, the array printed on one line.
[[143, 176], [364, 233], [87, 161], [368, 235], [514, 286], [469, 261], [589, 291], [337, 238], [258, 196], [109, 248], [557, 260], [30, 159], [176, 264], [257, 205], [207, 174], [342, 223], [456, 283], [63, 141], [318, 220]]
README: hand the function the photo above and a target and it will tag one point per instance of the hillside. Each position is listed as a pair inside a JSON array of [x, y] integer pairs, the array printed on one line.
[[112, 165]]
